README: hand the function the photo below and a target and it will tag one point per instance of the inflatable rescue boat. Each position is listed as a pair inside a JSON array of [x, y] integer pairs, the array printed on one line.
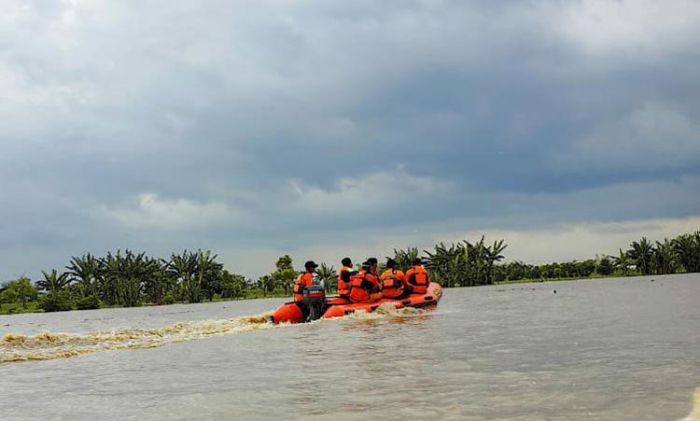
[[317, 305]]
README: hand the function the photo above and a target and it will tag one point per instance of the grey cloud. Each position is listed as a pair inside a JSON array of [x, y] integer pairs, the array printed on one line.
[[521, 109]]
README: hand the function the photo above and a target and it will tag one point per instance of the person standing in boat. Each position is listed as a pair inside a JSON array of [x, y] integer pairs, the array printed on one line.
[[344, 274], [417, 277], [304, 280], [364, 286], [392, 280]]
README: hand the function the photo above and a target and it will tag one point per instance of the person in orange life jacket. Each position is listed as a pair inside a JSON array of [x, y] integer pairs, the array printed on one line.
[[417, 277], [373, 262], [377, 294], [364, 286], [344, 274], [392, 280], [304, 280]]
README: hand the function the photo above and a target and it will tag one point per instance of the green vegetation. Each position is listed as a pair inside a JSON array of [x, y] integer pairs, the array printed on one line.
[[681, 254], [129, 279], [18, 296]]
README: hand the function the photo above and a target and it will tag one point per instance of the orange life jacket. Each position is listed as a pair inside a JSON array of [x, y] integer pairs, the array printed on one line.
[[392, 283], [306, 279], [362, 286], [418, 277], [344, 275]]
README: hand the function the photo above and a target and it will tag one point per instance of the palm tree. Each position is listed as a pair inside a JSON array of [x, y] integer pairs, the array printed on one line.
[[328, 276], [641, 254], [111, 269], [183, 268], [85, 272], [687, 251], [53, 281], [124, 277], [158, 284], [664, 258]]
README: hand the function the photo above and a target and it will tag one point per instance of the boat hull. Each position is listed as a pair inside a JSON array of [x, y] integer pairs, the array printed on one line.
[[339, 307]]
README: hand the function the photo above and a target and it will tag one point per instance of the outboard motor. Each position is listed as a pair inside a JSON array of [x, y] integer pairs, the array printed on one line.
[[314, 298]]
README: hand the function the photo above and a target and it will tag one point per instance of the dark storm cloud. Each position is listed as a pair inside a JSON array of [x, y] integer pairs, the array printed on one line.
[[232, 124]]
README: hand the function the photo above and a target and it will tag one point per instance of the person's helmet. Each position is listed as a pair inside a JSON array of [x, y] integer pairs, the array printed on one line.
[[417, 261], [346, 262], [372, 261], [390, 263]]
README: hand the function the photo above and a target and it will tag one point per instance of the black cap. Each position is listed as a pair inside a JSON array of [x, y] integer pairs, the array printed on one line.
[[390, 263], [366, 264], [346, 261], [372, 261], [310, 264], [417, 261]]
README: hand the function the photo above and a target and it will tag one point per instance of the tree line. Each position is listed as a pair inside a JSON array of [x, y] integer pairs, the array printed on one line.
[[643, 257], [128, 279]]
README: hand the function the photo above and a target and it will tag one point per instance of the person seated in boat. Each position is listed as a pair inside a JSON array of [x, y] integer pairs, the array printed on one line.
[[364, 286], [344, 274], [373, 263], [304, 280], [417, 277], [392, 280]]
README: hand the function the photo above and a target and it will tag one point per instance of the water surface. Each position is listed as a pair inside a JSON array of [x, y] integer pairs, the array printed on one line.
[[626, 349]]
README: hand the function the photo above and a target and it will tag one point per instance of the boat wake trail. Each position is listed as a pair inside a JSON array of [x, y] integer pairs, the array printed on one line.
[[48, 346], [386, 310], [695, 412]]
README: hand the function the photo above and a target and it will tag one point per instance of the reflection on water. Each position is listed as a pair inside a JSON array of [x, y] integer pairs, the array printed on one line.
[[625, 349]]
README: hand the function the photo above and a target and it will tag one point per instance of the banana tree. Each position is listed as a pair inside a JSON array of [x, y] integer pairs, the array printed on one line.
[[208, 275], [493, 255], [404, 258], [622, 262], [53, 281]]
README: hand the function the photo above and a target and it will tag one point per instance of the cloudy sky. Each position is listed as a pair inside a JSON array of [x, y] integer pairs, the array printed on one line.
[[325, 128]]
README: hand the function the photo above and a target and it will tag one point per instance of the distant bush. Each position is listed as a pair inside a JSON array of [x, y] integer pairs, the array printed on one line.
[[57, 301], [88, 303], [168, 299]]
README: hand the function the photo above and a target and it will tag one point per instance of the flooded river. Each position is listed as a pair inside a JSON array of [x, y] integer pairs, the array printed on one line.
[[625, 349]]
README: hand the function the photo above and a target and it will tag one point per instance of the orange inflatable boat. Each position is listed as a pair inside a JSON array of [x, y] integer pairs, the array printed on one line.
[[317, 305]]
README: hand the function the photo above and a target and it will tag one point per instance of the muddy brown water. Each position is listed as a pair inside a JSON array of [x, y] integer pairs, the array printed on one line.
[[624, 349]]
